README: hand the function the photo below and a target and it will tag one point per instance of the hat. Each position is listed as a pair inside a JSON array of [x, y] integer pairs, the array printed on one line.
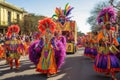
[[12, 30]]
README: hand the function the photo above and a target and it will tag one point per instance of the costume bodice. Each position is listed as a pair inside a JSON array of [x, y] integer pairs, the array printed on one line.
[[12, 45]]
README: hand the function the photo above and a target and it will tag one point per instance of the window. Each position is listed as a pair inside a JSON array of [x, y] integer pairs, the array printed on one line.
[[9, 18], [18, 18]]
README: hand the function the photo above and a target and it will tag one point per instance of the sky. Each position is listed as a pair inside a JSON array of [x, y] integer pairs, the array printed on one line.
[[80, 13]]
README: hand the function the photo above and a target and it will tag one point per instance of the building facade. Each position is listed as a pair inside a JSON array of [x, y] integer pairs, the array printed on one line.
[[9, 14]]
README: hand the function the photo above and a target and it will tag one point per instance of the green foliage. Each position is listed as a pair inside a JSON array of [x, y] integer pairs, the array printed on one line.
[[79, 33]]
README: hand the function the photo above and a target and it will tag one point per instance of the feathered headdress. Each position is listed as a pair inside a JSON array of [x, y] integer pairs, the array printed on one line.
[[107, 15], [46, 23], [13, 29], [63, 13]]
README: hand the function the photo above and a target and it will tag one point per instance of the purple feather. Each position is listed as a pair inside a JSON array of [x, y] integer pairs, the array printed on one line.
[[61, 53], [69, 11], [68, 18], [111, 13], [35, 51], [63, 39]]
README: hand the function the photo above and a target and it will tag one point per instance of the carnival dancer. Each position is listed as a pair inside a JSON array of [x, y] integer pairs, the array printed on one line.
[[42, 52], [47, 63], [106, 61], [48, 53], [88, 45], [91, 46], [13, 46], [94, 45], [85, 44]]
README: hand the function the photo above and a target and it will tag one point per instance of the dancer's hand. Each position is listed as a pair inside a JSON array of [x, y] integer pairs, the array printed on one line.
[[57, 48]]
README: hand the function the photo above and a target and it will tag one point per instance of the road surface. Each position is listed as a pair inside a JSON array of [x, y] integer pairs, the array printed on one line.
[[76, 67]]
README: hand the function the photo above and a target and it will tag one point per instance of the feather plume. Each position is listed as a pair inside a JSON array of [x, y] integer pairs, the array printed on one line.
[[66, 6], [61, 53], [54, 16], [65, 12], [35, 52], [46, 23], [107, 14], [14, 29], [69, 11], [57, 11]]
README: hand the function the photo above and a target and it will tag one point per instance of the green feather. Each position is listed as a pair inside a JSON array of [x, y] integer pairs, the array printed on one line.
[[65, 8], [54, 15], [66, 5], [64, 12]]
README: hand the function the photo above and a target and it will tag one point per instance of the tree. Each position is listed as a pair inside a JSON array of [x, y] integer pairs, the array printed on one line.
[[79, 33], [115, 4], [30, 23], [92, 19]]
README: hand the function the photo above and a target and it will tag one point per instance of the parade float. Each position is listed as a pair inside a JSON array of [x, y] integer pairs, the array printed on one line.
[[67, 27]]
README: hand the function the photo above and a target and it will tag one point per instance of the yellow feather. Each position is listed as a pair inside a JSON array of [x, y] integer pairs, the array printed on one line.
[[57, 12]]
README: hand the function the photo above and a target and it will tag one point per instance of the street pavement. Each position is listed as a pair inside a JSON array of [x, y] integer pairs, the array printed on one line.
[[76, 67]]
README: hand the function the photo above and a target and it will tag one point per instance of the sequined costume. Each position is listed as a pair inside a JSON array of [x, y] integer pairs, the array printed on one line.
[[13, 46]]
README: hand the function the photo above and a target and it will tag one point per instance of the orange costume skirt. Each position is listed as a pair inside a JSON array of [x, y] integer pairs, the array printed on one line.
[[47, 63]]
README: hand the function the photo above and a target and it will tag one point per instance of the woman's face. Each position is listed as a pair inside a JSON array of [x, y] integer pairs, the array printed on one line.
[[48, 34], [108, 26]]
